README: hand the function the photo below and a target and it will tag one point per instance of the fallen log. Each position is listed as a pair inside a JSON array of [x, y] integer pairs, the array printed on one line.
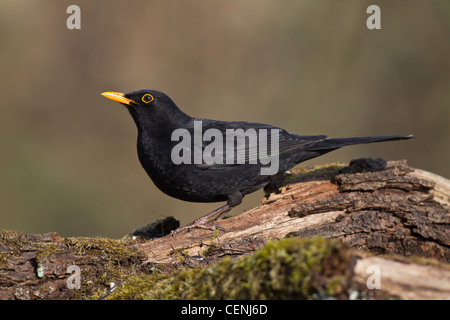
[[370, 204], [383, 212]]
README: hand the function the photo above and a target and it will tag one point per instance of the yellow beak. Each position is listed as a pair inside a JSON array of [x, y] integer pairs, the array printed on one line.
[[118, 97]]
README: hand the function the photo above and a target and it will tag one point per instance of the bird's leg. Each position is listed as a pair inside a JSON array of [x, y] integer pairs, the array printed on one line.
[[201, 222]]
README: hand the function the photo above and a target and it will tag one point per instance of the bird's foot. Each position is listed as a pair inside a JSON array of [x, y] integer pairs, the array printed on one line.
[[200, 223]]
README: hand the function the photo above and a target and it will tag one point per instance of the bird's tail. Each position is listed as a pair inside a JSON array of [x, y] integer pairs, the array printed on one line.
[[332, 144]]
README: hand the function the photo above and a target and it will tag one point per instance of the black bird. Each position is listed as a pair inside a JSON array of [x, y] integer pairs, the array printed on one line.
[[182, 169]]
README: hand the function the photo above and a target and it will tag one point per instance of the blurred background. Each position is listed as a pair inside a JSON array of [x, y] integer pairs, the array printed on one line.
[[68, 159]]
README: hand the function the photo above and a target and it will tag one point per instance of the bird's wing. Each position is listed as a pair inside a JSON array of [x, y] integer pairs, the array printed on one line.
[[252, 143]]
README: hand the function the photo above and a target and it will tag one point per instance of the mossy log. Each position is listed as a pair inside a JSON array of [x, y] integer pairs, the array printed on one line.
[[383, 207], [372, 212]]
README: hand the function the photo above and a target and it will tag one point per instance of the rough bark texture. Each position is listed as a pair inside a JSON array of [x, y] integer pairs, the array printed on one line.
[[36, 266], [384, 208], [370, 204]]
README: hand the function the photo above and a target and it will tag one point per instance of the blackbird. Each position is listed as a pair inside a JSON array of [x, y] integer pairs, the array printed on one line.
[[202, 160]]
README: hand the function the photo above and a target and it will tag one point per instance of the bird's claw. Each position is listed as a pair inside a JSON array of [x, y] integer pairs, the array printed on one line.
[[199, 226]]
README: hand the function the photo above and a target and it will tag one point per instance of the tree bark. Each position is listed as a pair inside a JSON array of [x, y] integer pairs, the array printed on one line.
[[372, 206]]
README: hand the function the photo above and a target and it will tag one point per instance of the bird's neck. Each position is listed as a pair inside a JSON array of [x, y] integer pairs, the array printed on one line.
[[154, 141]]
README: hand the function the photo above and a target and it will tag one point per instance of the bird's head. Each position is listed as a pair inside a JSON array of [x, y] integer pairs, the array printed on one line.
[[149, 108]]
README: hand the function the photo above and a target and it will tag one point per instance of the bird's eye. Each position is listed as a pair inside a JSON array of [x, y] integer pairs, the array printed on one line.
[[147, 98]]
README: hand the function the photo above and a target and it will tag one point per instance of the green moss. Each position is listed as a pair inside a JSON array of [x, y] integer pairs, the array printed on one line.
[[46, 250], [12, 239], [284, 269], [107, 249], [101, 260], [112, 261], [4, 256], [325, 167], [13, 243]]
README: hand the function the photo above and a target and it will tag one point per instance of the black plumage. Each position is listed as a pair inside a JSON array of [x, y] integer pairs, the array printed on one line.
[[157, 117]]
